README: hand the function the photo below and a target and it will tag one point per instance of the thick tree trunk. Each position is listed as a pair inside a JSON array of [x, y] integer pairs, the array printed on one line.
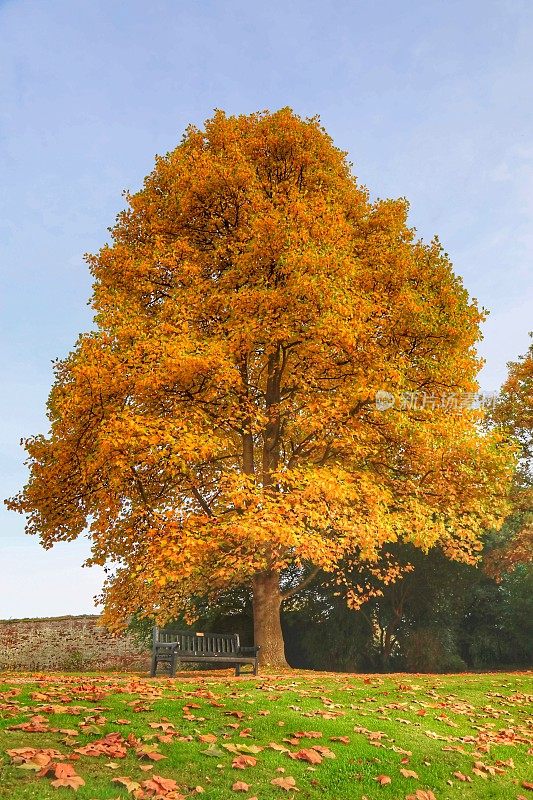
[[267, 621]]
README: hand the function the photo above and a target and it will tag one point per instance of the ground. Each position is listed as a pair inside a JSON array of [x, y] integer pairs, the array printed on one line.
[[297, 735]]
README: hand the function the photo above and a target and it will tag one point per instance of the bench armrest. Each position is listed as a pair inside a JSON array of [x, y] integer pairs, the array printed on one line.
[[249, 651]]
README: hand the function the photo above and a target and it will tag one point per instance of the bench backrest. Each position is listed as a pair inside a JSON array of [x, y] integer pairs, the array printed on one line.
[[198, 643]]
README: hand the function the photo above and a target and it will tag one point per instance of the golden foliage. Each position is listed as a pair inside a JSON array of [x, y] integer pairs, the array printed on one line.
[[220, 421]]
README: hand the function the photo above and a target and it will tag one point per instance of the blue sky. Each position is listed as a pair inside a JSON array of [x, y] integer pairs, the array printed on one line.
[[432, 99]]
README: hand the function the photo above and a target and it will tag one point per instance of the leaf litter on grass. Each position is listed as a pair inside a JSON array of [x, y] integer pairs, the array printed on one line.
[[227, 716]]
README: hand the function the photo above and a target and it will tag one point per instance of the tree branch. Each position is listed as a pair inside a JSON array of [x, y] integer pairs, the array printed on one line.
[[202, 502], [306, 581], [141, 489]]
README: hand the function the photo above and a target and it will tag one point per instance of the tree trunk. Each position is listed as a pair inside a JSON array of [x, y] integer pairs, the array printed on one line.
[[386, 650], [267, 621]]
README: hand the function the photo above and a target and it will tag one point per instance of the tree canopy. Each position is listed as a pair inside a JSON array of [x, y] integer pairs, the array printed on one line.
[[220, 423]]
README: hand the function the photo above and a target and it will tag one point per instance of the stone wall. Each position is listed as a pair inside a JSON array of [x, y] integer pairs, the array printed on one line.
[[67, 643]]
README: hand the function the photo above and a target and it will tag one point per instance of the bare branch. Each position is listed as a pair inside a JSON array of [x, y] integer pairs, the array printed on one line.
[[302, 585], [202, 502]]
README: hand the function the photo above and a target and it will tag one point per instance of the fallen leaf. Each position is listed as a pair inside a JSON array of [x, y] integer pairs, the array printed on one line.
[[164, 726], [213, 751], [70, 782], [66, 777], [149, 751], [408, 773], [311, 756], [242, 762], [287, 783], [325, 752], [130, 784], [157, 786]]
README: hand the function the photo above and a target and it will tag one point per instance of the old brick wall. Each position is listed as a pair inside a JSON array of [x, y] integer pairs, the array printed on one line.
[[67, 643]]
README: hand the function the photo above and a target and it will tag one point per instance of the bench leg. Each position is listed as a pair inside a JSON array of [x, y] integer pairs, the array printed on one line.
[[153, 666], [173, 666], [256, 666], [237, 669]]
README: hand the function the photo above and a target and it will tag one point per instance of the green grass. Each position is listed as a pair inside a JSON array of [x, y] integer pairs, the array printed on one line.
[[447, 723]]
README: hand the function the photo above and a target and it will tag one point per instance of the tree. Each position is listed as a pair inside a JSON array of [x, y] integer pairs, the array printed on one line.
[[219, 425], [513, 414]]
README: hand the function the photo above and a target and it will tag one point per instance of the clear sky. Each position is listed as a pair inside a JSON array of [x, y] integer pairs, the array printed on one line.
[[431, 98]]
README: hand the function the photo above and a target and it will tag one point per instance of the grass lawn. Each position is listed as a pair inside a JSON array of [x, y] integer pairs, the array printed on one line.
[[319, 735]]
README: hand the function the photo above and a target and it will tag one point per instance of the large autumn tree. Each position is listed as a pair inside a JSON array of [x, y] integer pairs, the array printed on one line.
[[218, 427]]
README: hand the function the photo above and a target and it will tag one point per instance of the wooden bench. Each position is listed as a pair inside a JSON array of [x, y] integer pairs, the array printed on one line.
[[174, 647]]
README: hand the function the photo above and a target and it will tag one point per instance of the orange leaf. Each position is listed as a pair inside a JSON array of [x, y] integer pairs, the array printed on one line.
[[287, 783], [240, 786], [311, 756], [461, 777], [66, 776], [241, 762], [71, 782], [408, 773]]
